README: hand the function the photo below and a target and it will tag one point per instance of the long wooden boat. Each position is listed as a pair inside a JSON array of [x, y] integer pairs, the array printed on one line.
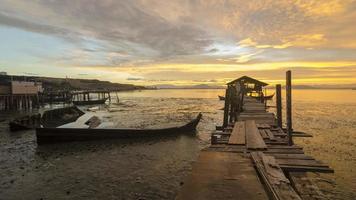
[[268, 97], [56, 135], [90, 102], [221, 98]]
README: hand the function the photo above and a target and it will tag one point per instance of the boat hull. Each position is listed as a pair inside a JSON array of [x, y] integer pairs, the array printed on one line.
[[265, 97], [221, 98], [56, 135]]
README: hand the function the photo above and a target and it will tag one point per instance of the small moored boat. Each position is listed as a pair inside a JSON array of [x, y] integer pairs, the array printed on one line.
[[221, 98], [268, 97], [55, 135], [25, 123], [61, 116]]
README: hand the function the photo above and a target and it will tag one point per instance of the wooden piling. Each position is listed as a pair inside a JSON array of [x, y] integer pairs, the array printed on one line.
[[289, 106], [233, 100], [226, 108], [279, 105]]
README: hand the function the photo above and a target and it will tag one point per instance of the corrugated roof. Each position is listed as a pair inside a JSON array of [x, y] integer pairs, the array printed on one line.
[[247, 79]]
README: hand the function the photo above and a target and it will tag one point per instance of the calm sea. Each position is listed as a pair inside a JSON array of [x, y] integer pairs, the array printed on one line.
[[155, 169]]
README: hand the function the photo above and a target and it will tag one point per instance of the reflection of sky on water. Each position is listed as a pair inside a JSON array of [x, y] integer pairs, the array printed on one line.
[[154, 169]]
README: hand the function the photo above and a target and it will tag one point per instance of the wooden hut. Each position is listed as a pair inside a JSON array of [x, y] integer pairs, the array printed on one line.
[[18, 95], [252, 87], [235, 92]]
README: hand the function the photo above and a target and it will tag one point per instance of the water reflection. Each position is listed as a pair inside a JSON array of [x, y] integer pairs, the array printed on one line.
[[154, 169]]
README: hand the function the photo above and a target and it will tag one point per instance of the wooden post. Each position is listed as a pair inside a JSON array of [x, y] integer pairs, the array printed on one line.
[[226, 108], [289, 106], [279, 105], [233, 99], [242, 88]]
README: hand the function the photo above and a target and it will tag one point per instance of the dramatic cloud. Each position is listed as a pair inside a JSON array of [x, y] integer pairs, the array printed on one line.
[[139, 38]]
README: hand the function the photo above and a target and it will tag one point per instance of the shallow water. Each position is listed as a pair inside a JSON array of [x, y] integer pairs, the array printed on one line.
[[155, 169]]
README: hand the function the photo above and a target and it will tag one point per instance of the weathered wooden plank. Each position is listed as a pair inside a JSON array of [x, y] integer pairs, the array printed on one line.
[[93, 122], [270, 135], [293, 168], [267, 115], [253, 136], [238, 134], [284, 147], [263, 134], [242, 149], [298, 162], [292, 156], [273, 177], [221, 133], [263, 126], [276, 142], [285, 151]]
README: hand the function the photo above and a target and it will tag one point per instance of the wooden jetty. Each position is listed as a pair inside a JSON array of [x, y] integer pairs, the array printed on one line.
[[252, 156], [85, 97], [50, 97]]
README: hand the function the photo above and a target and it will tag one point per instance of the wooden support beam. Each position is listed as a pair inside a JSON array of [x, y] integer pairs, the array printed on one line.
[[289, 106], [279, 105]]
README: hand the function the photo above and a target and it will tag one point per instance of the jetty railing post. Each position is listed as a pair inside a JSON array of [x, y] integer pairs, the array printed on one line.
[[226, 108], [232, 100], [279, 105], [289, 106], [242, 88], [238, 101]]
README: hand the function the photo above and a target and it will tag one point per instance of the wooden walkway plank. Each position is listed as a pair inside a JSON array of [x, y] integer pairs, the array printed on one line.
[[276, 182], [270, 135], [238, 134], [263, 134], [253, 136], [299, 162], [294, 168], [222, 176], [292, 156]]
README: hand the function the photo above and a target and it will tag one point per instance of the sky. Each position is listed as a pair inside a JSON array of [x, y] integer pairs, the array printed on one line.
[[181, 42]]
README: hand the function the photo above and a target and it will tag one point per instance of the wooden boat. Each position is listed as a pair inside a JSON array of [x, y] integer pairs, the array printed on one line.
[[25, 123], [221, 98], [50, 118], [55, 135], [90, 102], [60, 116], [268, 97]]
